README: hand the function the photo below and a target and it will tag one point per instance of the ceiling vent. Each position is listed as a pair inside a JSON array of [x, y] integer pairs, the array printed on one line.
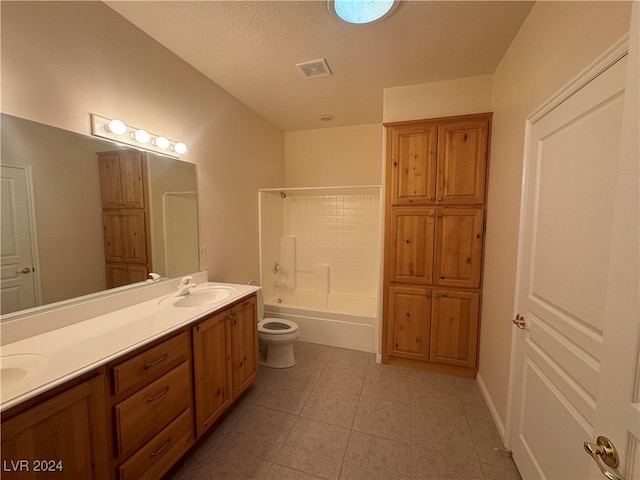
[[315, 68]]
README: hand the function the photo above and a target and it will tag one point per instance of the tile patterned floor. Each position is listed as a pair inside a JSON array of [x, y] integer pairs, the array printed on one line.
[[339, 415]]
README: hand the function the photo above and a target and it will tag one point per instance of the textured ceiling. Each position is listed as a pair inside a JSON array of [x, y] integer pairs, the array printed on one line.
[[250, 48]]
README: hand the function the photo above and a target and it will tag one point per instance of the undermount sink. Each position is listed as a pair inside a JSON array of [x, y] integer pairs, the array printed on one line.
[[17, 368], [200, 297]]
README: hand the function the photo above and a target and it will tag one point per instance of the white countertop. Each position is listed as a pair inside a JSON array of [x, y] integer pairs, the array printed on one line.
[[81, 347]]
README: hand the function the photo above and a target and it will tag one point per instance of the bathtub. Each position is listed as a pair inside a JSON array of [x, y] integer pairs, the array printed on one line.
[[339, 320]]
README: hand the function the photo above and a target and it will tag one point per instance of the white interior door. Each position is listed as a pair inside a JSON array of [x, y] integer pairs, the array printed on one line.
[[578, 248], [19, 281]]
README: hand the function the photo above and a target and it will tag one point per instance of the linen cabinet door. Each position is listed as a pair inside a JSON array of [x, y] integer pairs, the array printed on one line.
[[131, 178], [412, 169], [212, 369], [135, 236], [110, 185], [454, 328], [411, 245], [462, 162], [244, 344], [113, 236], [408, 322], [458, 247]]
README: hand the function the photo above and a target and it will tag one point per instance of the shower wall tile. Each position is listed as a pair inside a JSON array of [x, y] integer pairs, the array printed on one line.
[[342, 231]]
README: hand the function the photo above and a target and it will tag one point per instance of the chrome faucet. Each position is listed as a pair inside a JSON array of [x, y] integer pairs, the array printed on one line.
[[184, 287]]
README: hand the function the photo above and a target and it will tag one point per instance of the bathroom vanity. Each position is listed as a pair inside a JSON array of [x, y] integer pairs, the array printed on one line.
[[125, 394]]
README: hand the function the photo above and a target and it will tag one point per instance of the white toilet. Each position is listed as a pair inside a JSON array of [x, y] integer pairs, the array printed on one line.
[[276, 337]]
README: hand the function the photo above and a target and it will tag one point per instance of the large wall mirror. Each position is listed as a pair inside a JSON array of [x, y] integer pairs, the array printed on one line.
[[56, 243]]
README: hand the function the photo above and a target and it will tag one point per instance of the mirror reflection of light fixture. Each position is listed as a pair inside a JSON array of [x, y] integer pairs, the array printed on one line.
[[362, 11], [118, 131]]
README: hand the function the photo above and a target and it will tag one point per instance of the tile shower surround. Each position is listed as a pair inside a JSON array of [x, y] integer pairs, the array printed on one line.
[[342, 231], [339, 415]]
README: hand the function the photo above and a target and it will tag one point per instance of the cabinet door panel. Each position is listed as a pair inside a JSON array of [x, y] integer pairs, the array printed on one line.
[[244, 345], [462, 162], [135, 237], [413, 165], [458, 247], [408, 320], [131, 180], [411, 245], [212, 369], [454, 328], [109, 165], [113, 236], [69, 429]]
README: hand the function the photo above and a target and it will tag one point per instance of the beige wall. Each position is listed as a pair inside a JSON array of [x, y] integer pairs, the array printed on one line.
[[62, 61], [438, 99], [556, 41], [334, 156]]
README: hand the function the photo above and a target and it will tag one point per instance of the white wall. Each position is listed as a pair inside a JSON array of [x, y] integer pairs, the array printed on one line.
[[556, 41], [62, 61]]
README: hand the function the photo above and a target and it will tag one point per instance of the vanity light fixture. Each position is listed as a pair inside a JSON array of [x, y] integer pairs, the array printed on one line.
[[118, 131]]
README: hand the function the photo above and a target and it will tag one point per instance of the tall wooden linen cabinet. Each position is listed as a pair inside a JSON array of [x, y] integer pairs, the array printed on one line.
[[125, 216], [436, 174]]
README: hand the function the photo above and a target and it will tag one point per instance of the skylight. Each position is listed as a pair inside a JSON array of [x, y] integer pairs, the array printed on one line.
[[361, 11]]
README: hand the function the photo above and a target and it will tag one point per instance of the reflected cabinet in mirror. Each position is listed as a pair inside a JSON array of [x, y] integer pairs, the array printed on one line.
[[82, 215]]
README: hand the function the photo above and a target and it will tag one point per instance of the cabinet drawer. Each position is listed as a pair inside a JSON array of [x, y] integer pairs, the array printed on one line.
[[161, 452], [150, 364], [145, 413]]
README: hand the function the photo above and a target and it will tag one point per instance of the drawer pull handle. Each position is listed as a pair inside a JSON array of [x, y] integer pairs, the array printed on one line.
[[153, 399], [156, 362], [161, 449]]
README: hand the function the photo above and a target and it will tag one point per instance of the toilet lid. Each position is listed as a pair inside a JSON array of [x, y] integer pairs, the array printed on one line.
[[277, 326]]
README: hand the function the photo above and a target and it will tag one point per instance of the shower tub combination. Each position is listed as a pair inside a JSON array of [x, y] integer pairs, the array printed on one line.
[[320, 262], [339, 320]]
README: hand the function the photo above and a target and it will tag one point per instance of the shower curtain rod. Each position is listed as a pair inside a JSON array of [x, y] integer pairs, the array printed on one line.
[[304, 189]]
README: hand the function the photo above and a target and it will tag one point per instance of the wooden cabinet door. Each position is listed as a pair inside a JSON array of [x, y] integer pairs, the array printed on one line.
[[135, 274], [454, 328], [131, 179], [134, 236], [412, 169], [462, 162], [411, 245], [212, 369], [458, 247], [113, 236], [244, 344], [110, 187], [408, 322], [65, 436], [125, 237]]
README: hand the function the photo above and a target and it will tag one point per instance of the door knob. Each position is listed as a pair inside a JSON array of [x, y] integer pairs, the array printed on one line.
[[520, 322], [604, 451], [24, 270]]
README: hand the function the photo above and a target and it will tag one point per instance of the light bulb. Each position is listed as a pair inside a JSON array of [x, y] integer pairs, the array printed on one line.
[[142, 136], [180, 148], [117, 127], [162, 142]]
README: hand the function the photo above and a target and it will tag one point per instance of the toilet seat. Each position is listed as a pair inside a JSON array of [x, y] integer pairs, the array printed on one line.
[[277, 326]]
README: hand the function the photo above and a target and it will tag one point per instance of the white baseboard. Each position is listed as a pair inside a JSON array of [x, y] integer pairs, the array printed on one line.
[[494, 413]]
